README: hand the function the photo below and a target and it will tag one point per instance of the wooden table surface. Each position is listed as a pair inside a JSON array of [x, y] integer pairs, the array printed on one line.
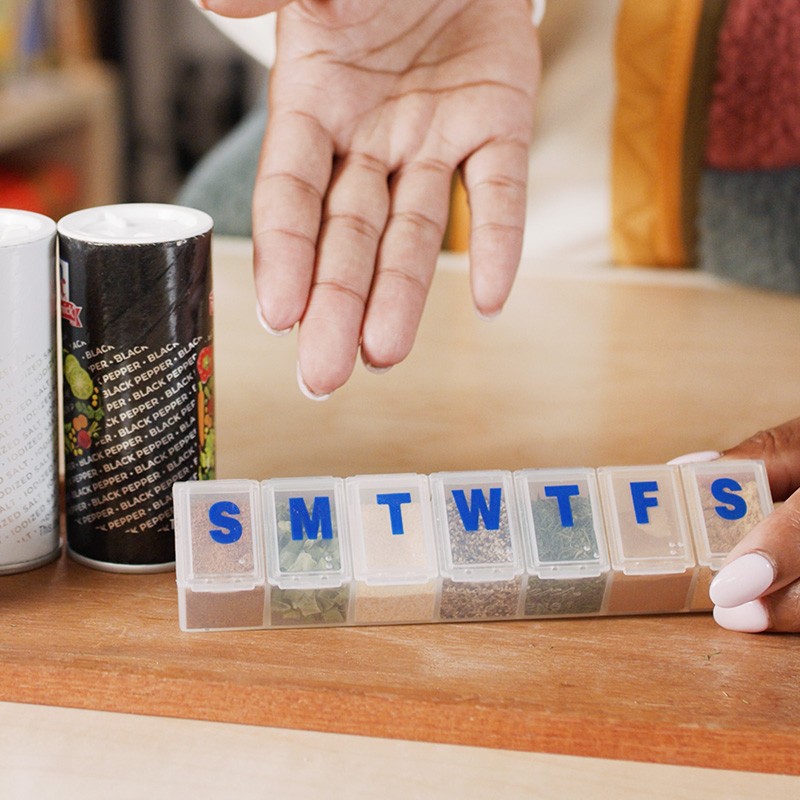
[[592, 370]]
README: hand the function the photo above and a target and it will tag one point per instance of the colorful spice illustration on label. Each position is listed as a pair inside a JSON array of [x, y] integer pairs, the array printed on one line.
[[205, 413], [83, 408]]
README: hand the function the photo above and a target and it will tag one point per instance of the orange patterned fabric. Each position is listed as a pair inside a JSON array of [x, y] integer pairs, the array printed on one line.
[[654, 57]]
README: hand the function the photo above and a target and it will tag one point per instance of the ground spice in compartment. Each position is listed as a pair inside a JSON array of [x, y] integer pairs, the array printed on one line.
[[724, 534], [210, 558], [388, 554], [481, 546], [557, 543], [649, 594], [547, 597], [384, 550], [396, 603], [232, 609], [215, 610], [488, 600], [700, 598]]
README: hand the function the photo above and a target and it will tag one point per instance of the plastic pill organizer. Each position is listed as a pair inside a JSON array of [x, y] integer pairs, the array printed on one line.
[[457, 546]]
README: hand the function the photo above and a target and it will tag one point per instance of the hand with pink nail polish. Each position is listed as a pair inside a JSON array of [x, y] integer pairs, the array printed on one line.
[[758, 587], [373, 107]]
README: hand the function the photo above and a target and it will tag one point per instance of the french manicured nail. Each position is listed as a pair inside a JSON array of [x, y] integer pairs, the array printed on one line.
[[693, 458], [741, 581], [372, 368], [749, 617], [376, 370], [306, 391], [266, 326], [488, 317]]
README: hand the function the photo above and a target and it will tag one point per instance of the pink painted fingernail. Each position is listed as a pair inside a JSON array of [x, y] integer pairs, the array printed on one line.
[[267, 327], [741, 581], [306, 391], [694, 458], [749, 617]]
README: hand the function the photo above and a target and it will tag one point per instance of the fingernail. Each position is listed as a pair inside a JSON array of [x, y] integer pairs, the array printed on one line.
[[693, 458], [372, 368], [306, 391], [744, 579], [488, 317], [267, 327], [750, 617], [376, 370]]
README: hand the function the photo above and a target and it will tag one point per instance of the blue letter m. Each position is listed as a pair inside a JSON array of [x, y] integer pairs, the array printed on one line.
[[302, 521]]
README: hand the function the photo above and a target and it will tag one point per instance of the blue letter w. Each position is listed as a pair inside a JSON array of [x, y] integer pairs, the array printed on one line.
[[471, 515]]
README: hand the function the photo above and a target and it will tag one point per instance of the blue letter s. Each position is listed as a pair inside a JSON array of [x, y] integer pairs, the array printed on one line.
[[218, 515]]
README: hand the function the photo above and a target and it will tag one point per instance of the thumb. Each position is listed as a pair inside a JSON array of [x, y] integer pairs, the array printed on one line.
[[779, 448]]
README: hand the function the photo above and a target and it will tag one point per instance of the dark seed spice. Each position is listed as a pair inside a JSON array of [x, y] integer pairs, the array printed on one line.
[[569, 597], [481, 546], [556, 543], [490, 600]]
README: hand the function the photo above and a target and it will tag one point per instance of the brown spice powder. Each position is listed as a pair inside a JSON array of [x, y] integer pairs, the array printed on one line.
[[397, 603], [211, 558], [649, 594], [700, 598], [215, 610]]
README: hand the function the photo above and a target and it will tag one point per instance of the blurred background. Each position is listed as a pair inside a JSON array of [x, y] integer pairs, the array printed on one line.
[[104, 101]]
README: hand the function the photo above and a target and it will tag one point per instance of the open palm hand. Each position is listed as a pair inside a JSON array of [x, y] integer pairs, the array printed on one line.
[[373, 106]]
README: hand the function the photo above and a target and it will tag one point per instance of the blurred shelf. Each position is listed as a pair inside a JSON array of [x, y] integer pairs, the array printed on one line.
[[70, 116]]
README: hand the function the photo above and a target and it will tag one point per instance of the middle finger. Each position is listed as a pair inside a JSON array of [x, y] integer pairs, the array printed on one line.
[[353, 220]]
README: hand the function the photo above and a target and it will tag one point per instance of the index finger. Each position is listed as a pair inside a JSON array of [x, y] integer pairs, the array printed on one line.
[[292, 179], [779, 447]]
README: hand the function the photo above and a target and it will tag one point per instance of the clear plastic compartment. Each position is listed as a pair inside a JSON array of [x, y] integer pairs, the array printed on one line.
[[726, 500], [648, 537], [394, 551], [480, 556], [565, 545], [308, 552], [219, 550]]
